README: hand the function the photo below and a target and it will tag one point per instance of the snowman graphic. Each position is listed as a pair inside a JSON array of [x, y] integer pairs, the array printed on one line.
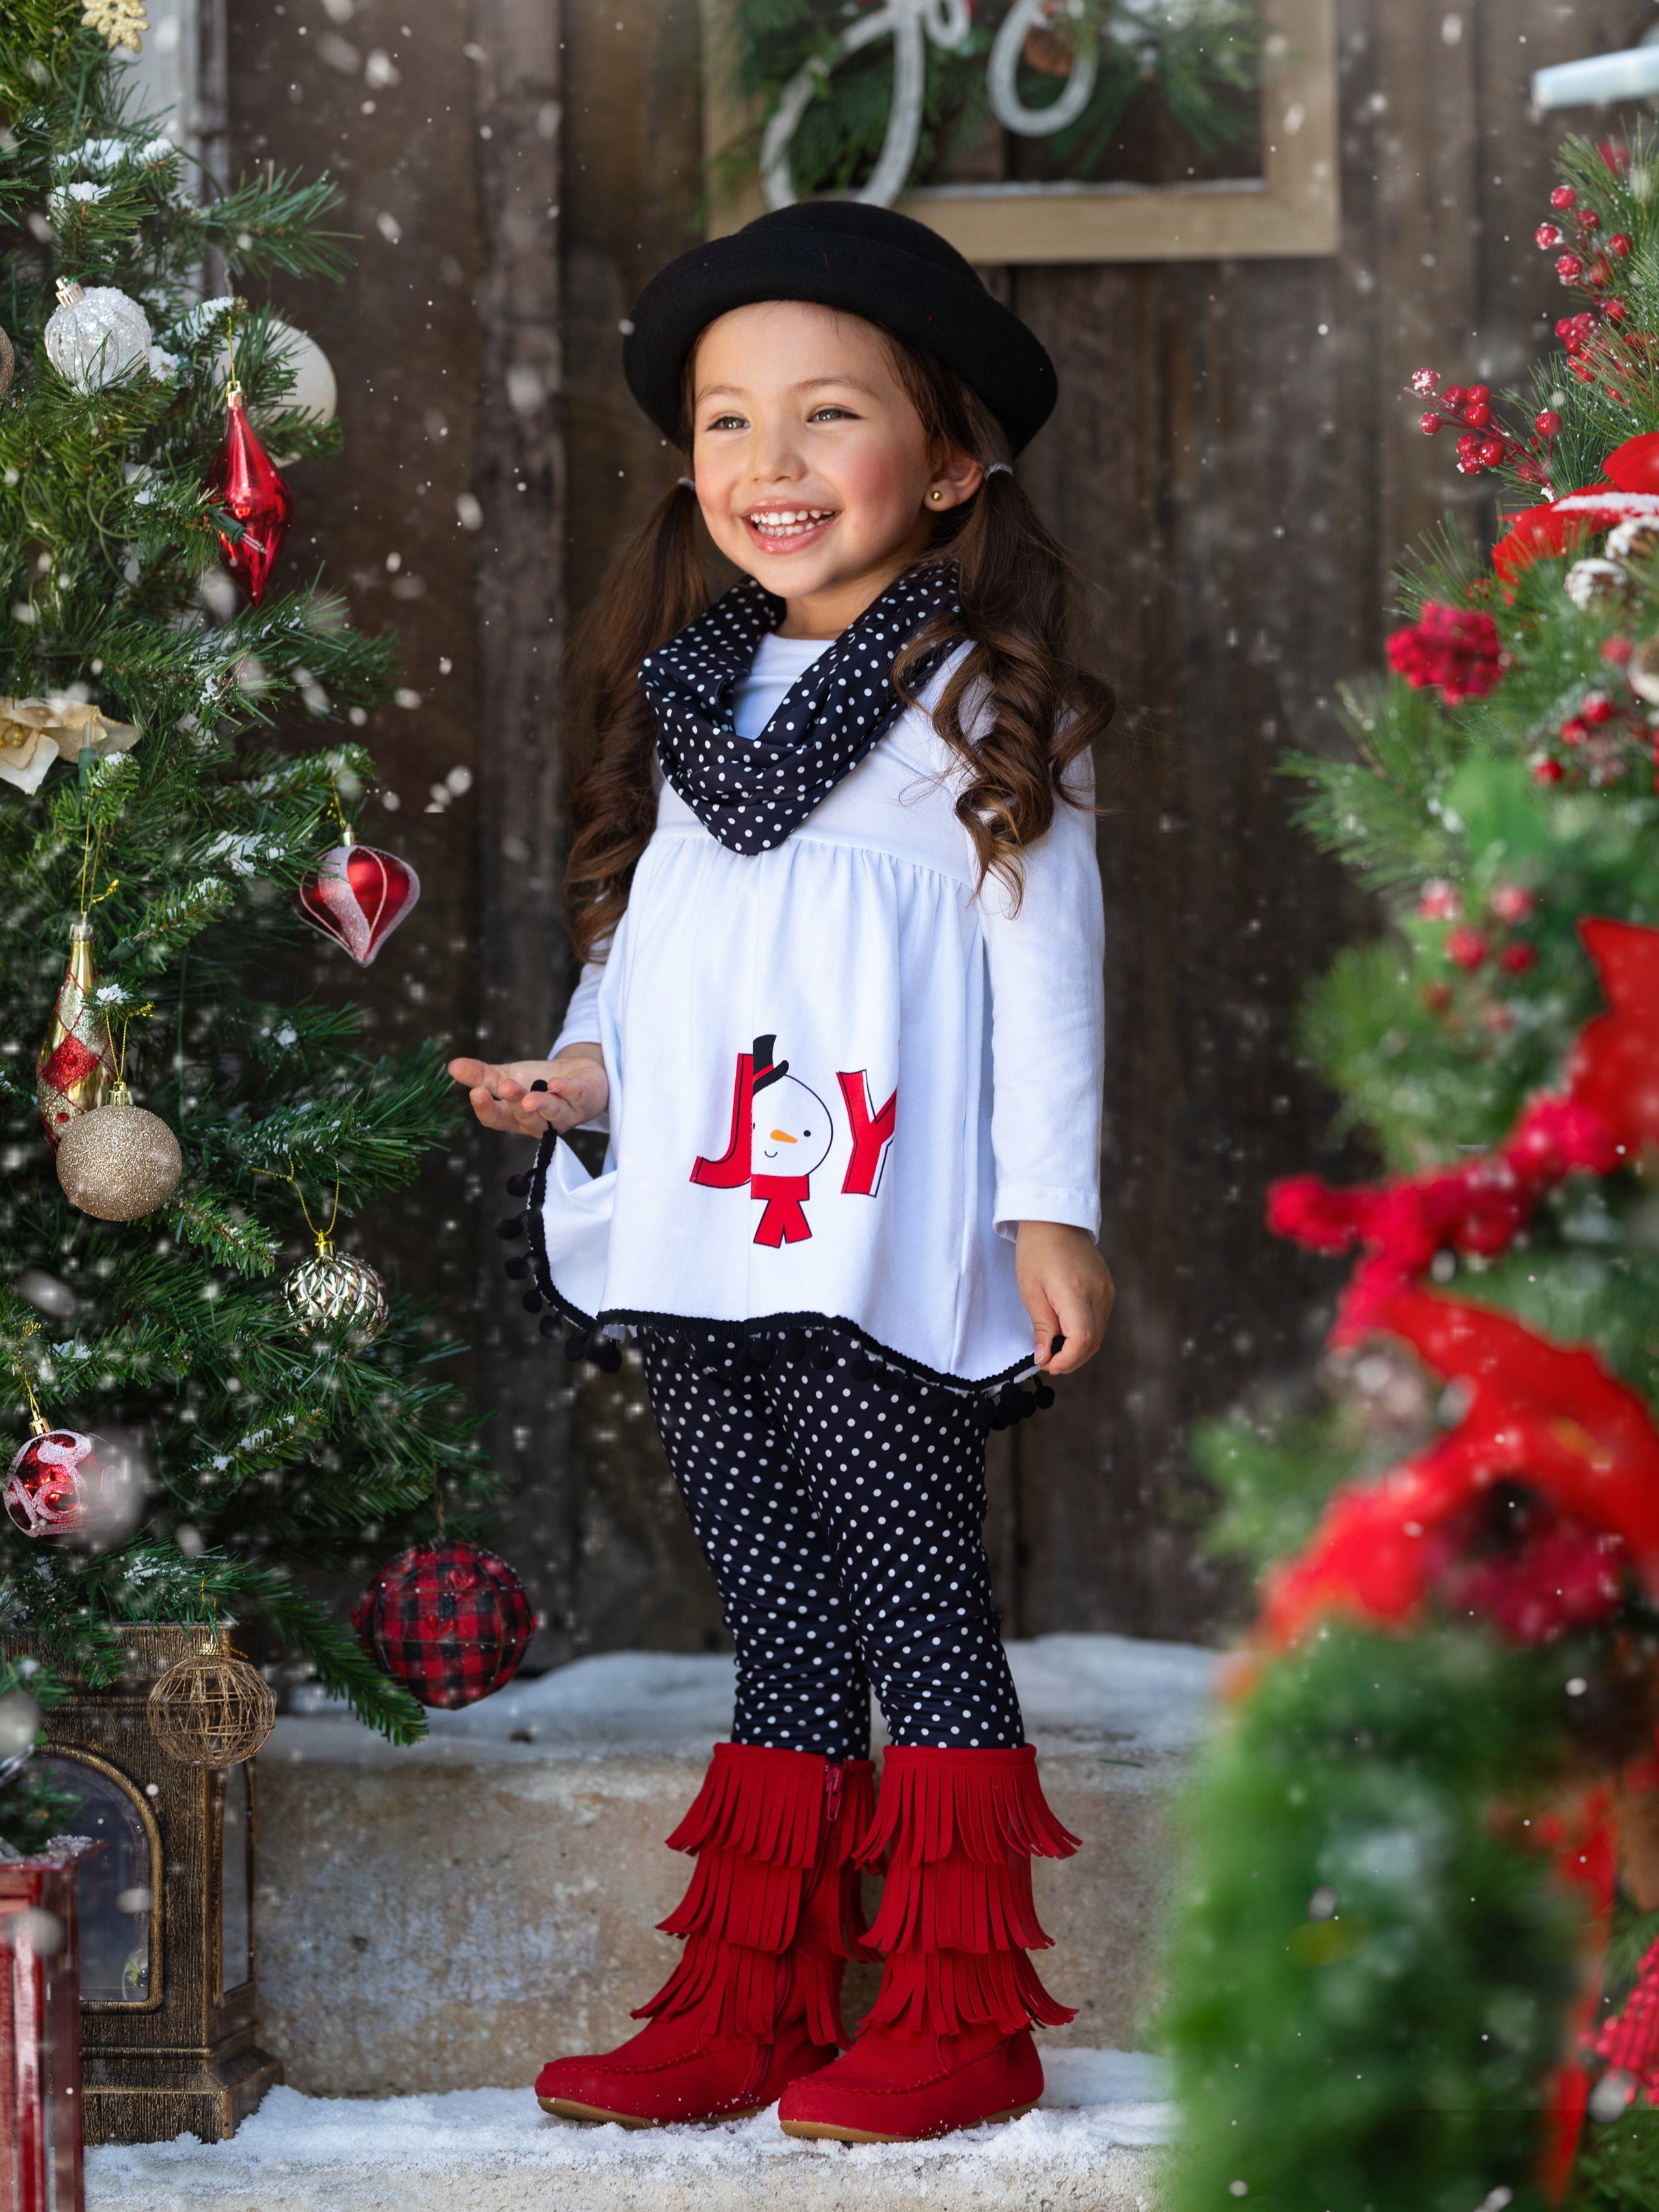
[[781, 1132], [789, 1136]]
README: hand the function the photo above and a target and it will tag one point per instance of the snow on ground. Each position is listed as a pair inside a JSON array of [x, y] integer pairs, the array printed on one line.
[[1124, 1691], [494, 2147]]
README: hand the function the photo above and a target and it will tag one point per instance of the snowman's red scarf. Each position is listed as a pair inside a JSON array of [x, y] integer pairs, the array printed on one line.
[[783, 1221], [751, 792]]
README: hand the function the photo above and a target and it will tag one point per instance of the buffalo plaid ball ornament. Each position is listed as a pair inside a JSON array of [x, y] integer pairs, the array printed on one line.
[[448, 1620]]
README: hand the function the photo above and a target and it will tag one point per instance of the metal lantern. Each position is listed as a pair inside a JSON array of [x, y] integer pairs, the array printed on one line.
[[166, 1927], [40, 2136]]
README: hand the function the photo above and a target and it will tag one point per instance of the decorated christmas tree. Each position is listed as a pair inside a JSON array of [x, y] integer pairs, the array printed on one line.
[[198, 1433], [1411, 1964]]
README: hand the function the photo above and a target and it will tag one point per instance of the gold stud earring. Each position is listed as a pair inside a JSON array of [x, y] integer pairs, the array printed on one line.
[[936, 496]]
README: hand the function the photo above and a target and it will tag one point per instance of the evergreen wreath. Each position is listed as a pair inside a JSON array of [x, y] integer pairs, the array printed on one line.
[[1414, 1964]]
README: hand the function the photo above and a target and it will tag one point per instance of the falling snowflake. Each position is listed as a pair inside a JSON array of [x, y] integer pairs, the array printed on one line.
[[120, 20]]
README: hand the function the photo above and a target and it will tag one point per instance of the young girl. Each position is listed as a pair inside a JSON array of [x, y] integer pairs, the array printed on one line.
[[833, 879]]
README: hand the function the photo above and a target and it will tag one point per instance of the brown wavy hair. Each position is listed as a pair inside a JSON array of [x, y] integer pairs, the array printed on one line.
[[1032, 706]]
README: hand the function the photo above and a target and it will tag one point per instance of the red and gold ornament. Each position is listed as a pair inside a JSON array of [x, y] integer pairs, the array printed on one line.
[[358, 896], [245, 482], [76, 1067], [448, 1620]]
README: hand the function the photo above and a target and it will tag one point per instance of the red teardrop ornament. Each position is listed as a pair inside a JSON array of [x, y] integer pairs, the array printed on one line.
[[244, 482], [358, 897]]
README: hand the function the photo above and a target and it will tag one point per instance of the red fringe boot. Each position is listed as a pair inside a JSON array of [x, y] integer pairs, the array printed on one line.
[[770, 1921], [948, 2043]]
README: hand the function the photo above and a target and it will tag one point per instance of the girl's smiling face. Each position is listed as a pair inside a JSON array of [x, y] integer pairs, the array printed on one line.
[[813, 471]]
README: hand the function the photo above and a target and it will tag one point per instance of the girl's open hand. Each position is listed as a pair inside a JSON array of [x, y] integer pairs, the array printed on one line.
[[578, 1088], [1066, 1288]]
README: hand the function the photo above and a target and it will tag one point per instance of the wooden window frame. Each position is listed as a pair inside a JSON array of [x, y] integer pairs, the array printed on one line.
[[1292, 210]]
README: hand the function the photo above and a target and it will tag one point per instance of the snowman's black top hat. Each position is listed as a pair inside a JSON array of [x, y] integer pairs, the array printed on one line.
[[764, 1070]]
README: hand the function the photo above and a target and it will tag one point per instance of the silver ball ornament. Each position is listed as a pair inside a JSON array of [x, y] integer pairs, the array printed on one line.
[[335, 1292], [119, 1162], [96, 335]]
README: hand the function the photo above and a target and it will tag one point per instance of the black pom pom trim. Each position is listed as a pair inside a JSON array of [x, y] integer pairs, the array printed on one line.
[[517, 1268], [512, 1228], [861, 1368], [550, 1324], [824, 1356], [533, 1302], [759, 1352], [1044, 1394], [606, 1355], [575, 1346], [518, 1186]]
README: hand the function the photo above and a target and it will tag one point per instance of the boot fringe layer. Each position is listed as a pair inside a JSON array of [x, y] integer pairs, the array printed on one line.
[[943, 1992], [770, 1805], [772, 1912], [987, 1806], [740, 1992], [959, 1905]]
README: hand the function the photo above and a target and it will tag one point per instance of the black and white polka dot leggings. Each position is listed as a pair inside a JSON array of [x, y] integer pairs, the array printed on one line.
[[843, 1522]]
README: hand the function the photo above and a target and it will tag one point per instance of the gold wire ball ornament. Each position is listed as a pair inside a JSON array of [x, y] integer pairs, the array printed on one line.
[[334, 1290], [210, 1709], [118, 1162]]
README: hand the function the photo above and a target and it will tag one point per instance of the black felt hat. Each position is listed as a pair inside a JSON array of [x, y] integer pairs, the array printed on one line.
[[842, 253]]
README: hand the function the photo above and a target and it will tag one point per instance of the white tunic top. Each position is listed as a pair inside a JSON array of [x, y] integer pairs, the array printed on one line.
[[944, 1068]]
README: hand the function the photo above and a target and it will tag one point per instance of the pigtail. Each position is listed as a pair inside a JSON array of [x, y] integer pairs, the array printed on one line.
[[1020, 708], [655, 585]]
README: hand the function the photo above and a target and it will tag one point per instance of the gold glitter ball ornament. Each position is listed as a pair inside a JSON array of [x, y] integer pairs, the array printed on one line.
[[210, 1709], [334, 1290], [118, 1162]]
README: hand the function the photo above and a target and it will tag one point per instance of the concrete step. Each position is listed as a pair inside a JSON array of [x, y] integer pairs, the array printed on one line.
[[449, 1916], [1090, 2148]]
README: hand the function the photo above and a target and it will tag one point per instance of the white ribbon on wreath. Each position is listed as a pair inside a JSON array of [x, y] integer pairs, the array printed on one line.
[[911, 23]]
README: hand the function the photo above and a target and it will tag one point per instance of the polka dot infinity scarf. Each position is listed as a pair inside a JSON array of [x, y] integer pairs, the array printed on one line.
[[751, 792]]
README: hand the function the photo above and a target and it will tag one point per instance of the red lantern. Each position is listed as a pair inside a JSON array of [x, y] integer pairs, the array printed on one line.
[[450, 1621], [41, 2117], [246, 484], [358, 897], [57, 1481]]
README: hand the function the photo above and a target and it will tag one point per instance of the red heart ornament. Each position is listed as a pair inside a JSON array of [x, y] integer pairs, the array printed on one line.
[[358, 897], [246, 483]]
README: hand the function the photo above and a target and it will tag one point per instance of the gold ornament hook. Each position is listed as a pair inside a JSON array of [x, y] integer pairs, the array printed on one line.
[[39, 1424], [325, 1237]]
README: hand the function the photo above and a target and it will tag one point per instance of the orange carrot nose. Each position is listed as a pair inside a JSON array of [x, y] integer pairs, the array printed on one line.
[[783, 1137]]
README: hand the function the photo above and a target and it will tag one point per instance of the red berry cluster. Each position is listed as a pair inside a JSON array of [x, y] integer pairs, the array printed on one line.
[[1588, 263], [1456, 649], [1489, 938], [1484, 444], [1609, 735]]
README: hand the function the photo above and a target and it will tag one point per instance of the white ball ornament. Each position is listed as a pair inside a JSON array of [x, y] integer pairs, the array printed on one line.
[[96, 335]]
